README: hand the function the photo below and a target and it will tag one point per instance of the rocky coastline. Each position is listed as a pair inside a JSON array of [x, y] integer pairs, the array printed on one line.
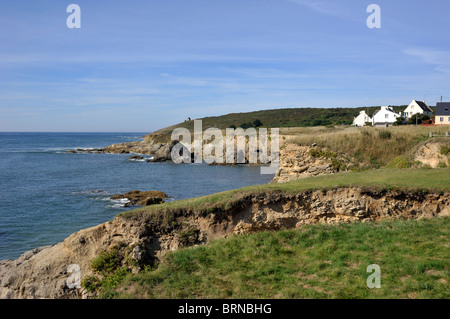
[[43, 272], [160, 152]]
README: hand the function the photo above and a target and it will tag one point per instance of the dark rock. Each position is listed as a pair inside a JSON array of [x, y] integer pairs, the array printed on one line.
[[139, 198], [136, 157]]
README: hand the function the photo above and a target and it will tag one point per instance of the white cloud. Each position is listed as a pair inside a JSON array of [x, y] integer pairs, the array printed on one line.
[[441, 59], [322, 6]]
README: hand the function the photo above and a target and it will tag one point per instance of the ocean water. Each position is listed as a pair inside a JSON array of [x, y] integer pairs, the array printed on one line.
[[47, 194]]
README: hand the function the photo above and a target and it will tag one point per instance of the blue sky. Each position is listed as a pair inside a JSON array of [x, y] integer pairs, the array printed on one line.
[[137, 65]]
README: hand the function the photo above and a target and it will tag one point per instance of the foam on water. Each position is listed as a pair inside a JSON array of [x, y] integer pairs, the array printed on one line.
[[46, 196]]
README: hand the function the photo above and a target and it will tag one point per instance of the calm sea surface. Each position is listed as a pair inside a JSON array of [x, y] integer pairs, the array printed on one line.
[[47, 194]]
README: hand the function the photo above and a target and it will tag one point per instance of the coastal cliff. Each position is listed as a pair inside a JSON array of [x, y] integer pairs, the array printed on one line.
[[144, 236], [303, 161]]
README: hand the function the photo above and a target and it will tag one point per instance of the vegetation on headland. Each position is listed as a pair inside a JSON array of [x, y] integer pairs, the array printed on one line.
[[366, 148], [316, 261], [280, 118], [413, 179]]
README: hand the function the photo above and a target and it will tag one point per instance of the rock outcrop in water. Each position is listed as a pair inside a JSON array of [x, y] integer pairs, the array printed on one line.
[[44, 272], [138, 198], [160, 151]]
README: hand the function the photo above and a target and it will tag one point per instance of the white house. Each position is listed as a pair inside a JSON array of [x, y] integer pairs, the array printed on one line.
[[385, 116], [362, 119], [417, 107]]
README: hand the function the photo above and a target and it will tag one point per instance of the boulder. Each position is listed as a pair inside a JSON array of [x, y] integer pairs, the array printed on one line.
[[136, 157], [139, 198]]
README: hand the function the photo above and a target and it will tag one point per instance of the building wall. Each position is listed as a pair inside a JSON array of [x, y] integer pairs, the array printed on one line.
[[384, 116], [413, 108], [445, 120], [361, 119]]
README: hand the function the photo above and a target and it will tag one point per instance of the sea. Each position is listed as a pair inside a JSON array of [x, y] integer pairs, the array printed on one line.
[[46, 194]]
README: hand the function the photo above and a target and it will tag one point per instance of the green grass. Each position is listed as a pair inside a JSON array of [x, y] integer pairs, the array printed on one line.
[[285, 117], [382, 179], [316, 261]]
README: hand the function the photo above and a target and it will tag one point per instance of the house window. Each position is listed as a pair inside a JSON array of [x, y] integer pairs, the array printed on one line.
[[386, 116], [442, 119]]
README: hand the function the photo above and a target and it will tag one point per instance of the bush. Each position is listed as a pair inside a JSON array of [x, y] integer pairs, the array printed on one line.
[[418, 119], [107, 262], [109, 269], [338, 165], [445, 149], [322, 153], [189, 237], [384, 134], [441, 165], [256, 123], [399, 121]]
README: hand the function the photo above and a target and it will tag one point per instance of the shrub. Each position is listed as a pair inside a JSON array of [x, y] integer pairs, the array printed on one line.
[[384, 134], [106, 262], [441, 165], [90, 283], [110, 268], [399, 121], [445, 149], [189, 237], [418, 119], [314, 152], [257, 123], [338, 165]]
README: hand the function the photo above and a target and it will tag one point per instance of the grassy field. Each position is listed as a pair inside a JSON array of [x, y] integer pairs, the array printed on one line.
[[414, 178], [281, 118], [369, 147], [316, 261]]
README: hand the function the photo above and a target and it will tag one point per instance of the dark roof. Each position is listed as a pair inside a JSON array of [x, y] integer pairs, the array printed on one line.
[[443, 108], [423, 106]]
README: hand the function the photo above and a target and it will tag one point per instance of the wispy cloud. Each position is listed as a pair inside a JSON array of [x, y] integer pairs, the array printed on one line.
[[333, 8], [439, 58]]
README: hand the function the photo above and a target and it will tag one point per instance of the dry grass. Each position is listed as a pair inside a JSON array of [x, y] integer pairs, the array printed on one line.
[[369, 146]]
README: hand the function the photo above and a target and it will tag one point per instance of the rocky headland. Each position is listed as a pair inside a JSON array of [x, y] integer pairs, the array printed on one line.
[[145, 237]]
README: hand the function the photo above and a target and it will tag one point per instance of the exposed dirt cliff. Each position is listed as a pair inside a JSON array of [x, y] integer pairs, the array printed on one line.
[[43, 272], [304, 161], [433, 153]]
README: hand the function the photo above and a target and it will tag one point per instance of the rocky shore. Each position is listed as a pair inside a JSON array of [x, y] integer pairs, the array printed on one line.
[[44, 272], [160, 152]]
